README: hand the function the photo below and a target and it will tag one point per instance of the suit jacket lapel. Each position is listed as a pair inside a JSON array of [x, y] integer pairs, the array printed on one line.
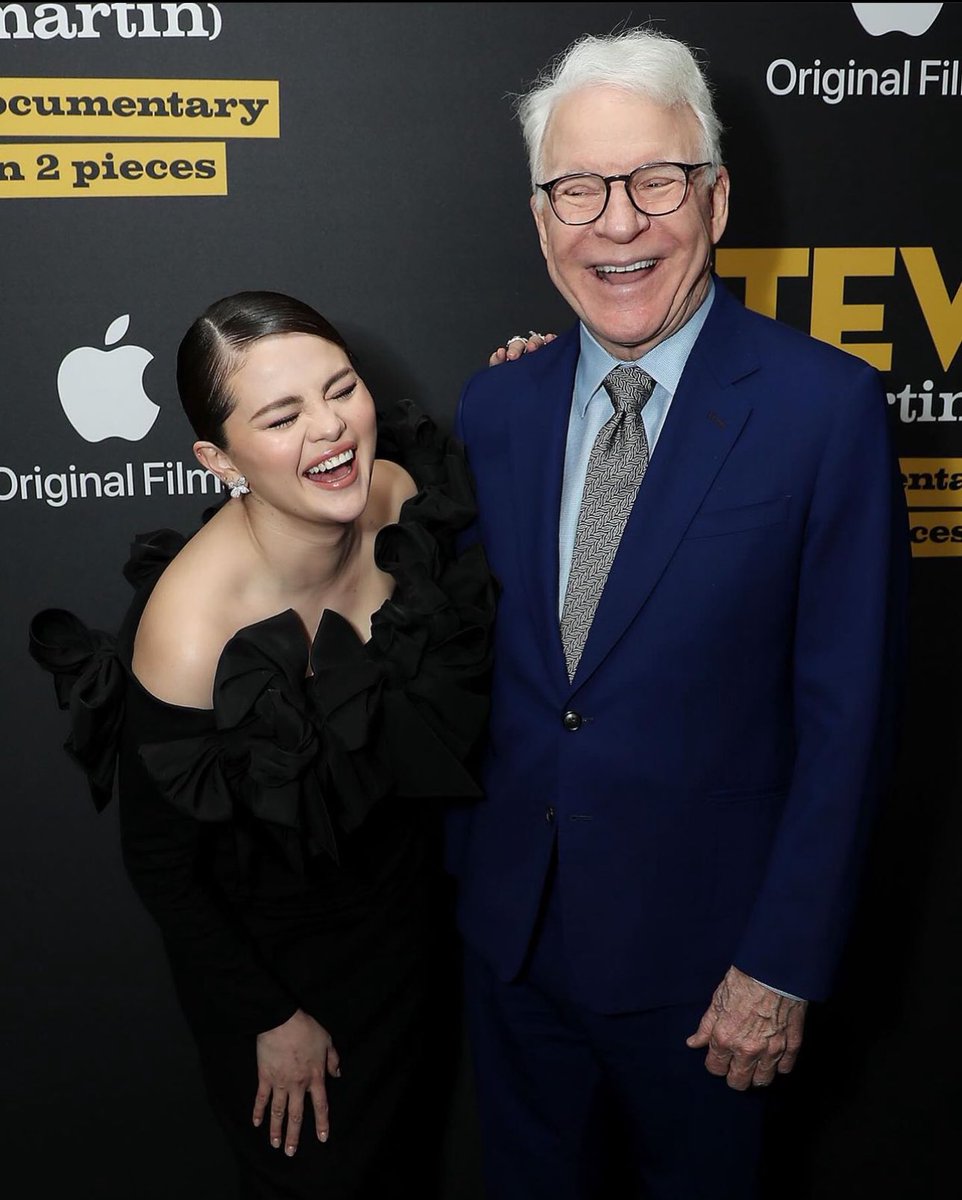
[[706, 416], [537, 430]]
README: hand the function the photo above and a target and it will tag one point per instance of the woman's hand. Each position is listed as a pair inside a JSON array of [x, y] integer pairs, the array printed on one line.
[[294, 1059], [520, 344]]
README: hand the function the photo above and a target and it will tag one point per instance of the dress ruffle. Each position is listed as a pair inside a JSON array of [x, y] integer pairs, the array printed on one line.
[[89, 681], [399, 714], [260, 760]]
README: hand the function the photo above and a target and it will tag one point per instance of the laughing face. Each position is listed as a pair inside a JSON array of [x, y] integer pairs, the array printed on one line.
[[302, 430], [633, 280]]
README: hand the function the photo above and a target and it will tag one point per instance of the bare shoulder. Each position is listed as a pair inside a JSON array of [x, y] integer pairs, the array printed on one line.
[[391, 486], [180, 637]]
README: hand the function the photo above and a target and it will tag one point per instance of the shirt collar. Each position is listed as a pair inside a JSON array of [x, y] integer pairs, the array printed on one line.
[[664, 363]]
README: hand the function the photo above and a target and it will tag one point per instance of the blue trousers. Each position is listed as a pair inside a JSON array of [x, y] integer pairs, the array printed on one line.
[[573, 1103]]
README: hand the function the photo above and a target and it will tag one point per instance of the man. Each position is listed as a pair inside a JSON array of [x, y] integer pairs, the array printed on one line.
[[695, 518]]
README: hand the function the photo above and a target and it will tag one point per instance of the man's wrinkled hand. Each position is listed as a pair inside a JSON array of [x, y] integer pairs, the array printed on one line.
[[751, 1032]]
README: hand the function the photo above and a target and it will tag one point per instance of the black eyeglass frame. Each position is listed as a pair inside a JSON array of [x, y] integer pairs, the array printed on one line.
[[608, 180]]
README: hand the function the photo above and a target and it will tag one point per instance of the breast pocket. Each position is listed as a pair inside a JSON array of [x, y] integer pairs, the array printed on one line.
[[720, 521], [753, 795]]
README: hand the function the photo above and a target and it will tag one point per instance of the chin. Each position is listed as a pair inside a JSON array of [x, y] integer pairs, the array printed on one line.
[[357, 502], [642, 335], [344, 509], [629, 340]]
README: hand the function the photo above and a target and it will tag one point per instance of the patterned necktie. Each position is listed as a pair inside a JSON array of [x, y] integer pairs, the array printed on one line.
[[616, 467]]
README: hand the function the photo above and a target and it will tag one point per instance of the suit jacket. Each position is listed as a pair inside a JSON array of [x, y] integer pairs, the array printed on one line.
[[709, 774]]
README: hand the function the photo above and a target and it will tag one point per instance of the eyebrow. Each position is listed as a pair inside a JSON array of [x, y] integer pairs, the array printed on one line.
[[286, 401]]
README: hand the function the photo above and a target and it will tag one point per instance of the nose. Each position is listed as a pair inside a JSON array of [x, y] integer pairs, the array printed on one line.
[[324, 422], [621, 221]]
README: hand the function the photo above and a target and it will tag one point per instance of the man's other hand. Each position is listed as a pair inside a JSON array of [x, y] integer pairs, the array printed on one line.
[[751, 1032]]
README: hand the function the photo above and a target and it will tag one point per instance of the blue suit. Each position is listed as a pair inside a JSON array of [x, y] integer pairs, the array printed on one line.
[[705, 783]]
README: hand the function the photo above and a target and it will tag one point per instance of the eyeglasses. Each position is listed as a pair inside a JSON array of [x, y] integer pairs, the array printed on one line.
[[655, 189]]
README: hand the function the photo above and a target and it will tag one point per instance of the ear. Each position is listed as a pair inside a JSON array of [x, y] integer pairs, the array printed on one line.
[[718, 200], [215, 460], [539, 210]]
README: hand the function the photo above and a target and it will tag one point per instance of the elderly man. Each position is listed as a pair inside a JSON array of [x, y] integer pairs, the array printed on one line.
[[695, 518]]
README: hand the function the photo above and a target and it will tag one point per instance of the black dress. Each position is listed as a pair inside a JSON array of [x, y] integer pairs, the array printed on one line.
[[285, 841]]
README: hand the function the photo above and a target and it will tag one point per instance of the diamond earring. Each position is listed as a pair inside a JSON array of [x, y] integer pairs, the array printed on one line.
[[238, 487]]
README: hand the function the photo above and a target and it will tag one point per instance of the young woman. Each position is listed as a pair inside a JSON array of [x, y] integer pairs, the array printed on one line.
[[294, 689]]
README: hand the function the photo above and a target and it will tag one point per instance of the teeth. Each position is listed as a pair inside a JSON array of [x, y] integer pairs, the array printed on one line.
[[330, 463], [638, 266]]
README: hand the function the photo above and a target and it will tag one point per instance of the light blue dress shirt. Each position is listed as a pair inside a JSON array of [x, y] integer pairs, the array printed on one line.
[[591, 408]]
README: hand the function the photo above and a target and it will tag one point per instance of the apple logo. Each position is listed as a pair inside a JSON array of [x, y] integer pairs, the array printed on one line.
[[913, 19], [102, 391]]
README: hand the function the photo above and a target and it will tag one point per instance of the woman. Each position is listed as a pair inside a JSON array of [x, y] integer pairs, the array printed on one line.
[[291, 690]]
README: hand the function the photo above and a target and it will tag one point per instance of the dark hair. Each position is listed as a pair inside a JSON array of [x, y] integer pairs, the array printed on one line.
[[209, 351]]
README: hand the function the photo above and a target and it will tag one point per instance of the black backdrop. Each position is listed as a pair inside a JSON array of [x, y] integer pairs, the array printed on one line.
[[395, 200]]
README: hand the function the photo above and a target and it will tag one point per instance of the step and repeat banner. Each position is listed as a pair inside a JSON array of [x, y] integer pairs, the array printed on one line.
[[364, 157]]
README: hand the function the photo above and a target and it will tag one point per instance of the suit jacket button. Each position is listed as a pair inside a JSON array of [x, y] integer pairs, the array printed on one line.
[[571, 721], [549, 815]]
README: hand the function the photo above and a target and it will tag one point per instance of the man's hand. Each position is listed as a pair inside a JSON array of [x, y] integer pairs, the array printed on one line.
[[292, 1060], [751, 1032]]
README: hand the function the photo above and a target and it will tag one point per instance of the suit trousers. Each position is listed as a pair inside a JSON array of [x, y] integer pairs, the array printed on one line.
[[578, 1105]]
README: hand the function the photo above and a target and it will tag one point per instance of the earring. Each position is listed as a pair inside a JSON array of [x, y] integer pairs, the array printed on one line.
[[238, 487]]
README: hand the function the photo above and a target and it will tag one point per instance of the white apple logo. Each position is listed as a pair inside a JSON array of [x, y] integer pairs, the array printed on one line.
[[913, 19], [102, 391]]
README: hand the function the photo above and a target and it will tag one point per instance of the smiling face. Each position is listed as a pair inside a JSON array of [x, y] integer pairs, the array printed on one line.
[[608, 131], [302, 429]]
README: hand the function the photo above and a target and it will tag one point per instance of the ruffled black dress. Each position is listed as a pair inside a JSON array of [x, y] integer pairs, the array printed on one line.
[[286, 840]]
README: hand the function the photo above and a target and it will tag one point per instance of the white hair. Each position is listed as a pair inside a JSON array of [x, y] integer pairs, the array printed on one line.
[[642, 61]]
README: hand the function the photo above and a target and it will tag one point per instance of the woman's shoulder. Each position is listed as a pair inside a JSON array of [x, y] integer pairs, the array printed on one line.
[[198, 675], [391, 487], [185, 625], [176, 652]]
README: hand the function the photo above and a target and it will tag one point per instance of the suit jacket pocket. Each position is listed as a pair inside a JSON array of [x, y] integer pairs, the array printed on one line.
[[719, 521], [747, 795]]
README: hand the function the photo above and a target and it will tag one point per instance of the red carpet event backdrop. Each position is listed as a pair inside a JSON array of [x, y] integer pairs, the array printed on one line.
[[363, 157]]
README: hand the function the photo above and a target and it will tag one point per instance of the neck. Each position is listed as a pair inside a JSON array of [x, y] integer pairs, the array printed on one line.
[[298, 557]]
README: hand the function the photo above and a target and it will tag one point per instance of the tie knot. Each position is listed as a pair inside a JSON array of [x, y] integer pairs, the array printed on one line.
[[630, 388]]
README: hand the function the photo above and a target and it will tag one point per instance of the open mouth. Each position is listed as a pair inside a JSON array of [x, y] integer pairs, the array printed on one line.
[[629, 270], [336, 471]]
